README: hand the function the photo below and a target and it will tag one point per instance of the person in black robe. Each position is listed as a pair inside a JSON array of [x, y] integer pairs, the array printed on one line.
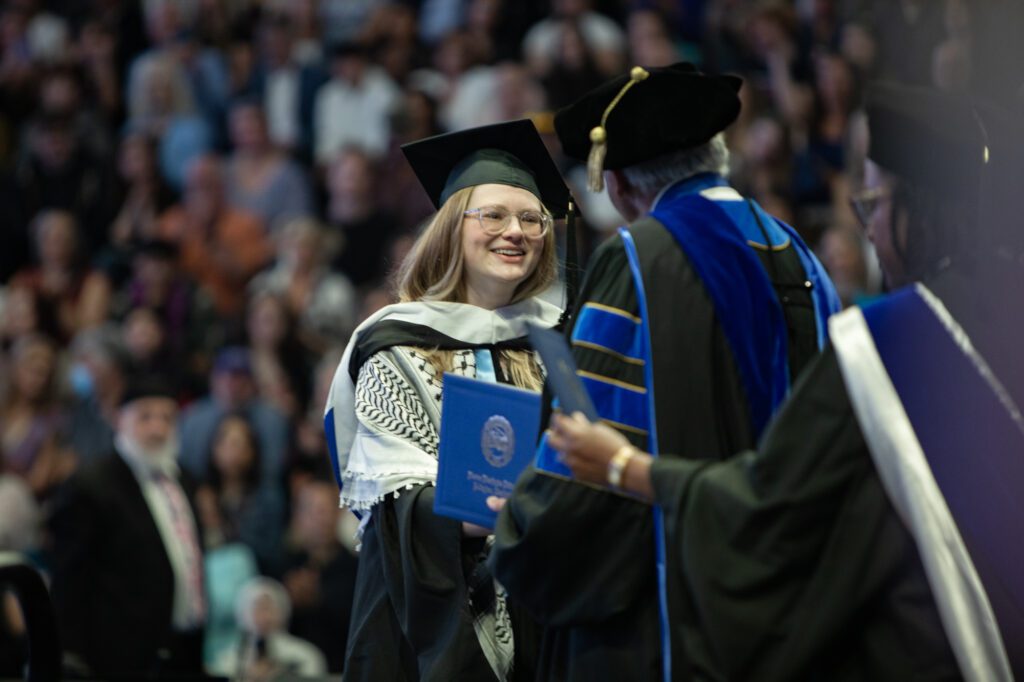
[[723, 347], [426, 607], [805, 558]]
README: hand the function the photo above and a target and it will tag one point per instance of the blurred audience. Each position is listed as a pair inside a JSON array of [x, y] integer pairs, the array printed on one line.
[[321, 300], [233, 389], [354, 215], [233, 503], [77, 296], [352, 108], [258, 178], [221, 246], [33, 417]]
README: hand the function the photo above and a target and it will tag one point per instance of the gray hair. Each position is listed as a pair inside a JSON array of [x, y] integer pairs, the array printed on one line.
[[651, 176], [255, 589]]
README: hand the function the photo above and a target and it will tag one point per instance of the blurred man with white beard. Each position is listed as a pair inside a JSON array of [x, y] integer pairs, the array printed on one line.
[[127, 556]]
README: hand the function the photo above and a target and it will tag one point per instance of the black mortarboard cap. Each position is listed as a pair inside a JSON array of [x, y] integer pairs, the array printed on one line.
[[148, 385], [647, 113], [928, 137], [504, 153]]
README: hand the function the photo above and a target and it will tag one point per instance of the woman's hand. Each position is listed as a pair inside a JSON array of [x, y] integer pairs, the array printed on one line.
[[472, 530], [587, 446]]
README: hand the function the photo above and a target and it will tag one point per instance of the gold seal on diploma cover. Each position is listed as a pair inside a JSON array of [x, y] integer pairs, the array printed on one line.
[[497, 441]]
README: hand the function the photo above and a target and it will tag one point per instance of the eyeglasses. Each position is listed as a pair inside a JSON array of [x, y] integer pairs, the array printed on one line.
[[496, 219], [865, 202]]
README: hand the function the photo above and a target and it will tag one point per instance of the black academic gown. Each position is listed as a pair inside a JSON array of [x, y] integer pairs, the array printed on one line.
[[582, 560], [796, 562], [412, 616]]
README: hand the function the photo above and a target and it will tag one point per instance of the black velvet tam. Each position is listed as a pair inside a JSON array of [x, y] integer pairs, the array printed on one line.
[[674, 108]]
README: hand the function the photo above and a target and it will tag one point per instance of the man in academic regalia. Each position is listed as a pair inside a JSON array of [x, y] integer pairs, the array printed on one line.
[[690, 325], [874, 534]]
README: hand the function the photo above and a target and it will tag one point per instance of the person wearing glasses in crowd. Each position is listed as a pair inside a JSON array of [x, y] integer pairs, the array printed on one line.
[[693, 322], [426, 606], [872, 533]]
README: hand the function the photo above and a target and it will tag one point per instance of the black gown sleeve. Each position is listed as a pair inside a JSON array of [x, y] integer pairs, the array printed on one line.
[[794, 561], [73, 528], [426, 565], [538, 554]]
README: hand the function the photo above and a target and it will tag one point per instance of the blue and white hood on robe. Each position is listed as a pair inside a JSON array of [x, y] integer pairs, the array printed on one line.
[[365, 471]]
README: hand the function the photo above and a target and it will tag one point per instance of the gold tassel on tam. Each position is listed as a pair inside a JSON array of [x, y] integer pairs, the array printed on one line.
[[599, 134], [595, 161]]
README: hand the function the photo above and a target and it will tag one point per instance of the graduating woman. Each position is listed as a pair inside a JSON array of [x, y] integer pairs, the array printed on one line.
[[426, 606]]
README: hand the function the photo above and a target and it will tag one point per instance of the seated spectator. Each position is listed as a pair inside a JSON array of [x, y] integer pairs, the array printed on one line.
[[227, 569], [191, 327], [602, 35], [56, 171], [321, 572], [309, 457], [24, 313], [61, 92], [97, 376], [221, 246], [352, 108], [321, 300], [258, 178], [233, 389], [144, 196], [281, 366], [415, 118], [287, 76], [650, 43], [145, 339], [265, 650], [161, 104], [353, 213], [33, 419], [233, 505], [573, 70], [78, 296]]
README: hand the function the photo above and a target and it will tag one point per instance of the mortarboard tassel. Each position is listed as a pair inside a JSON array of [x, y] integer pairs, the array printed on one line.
[[572, 268], [599, 134]]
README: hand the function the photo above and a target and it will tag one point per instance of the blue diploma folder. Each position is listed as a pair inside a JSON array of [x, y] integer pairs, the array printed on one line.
[[489, 435], [561, 368]]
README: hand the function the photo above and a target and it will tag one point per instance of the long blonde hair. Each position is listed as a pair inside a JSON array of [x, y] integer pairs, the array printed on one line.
[[434, 270]]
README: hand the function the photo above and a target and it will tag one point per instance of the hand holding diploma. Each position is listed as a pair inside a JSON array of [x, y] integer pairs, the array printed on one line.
[[593, 450]]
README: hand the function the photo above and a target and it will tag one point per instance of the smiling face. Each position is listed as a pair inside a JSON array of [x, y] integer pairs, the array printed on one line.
[[496, 264]]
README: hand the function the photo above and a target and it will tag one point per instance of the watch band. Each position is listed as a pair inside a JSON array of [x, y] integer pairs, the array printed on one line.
[[617, 465]]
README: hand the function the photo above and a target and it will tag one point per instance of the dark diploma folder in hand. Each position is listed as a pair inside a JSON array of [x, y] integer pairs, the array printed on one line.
[[561, 368], [489, 435]]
